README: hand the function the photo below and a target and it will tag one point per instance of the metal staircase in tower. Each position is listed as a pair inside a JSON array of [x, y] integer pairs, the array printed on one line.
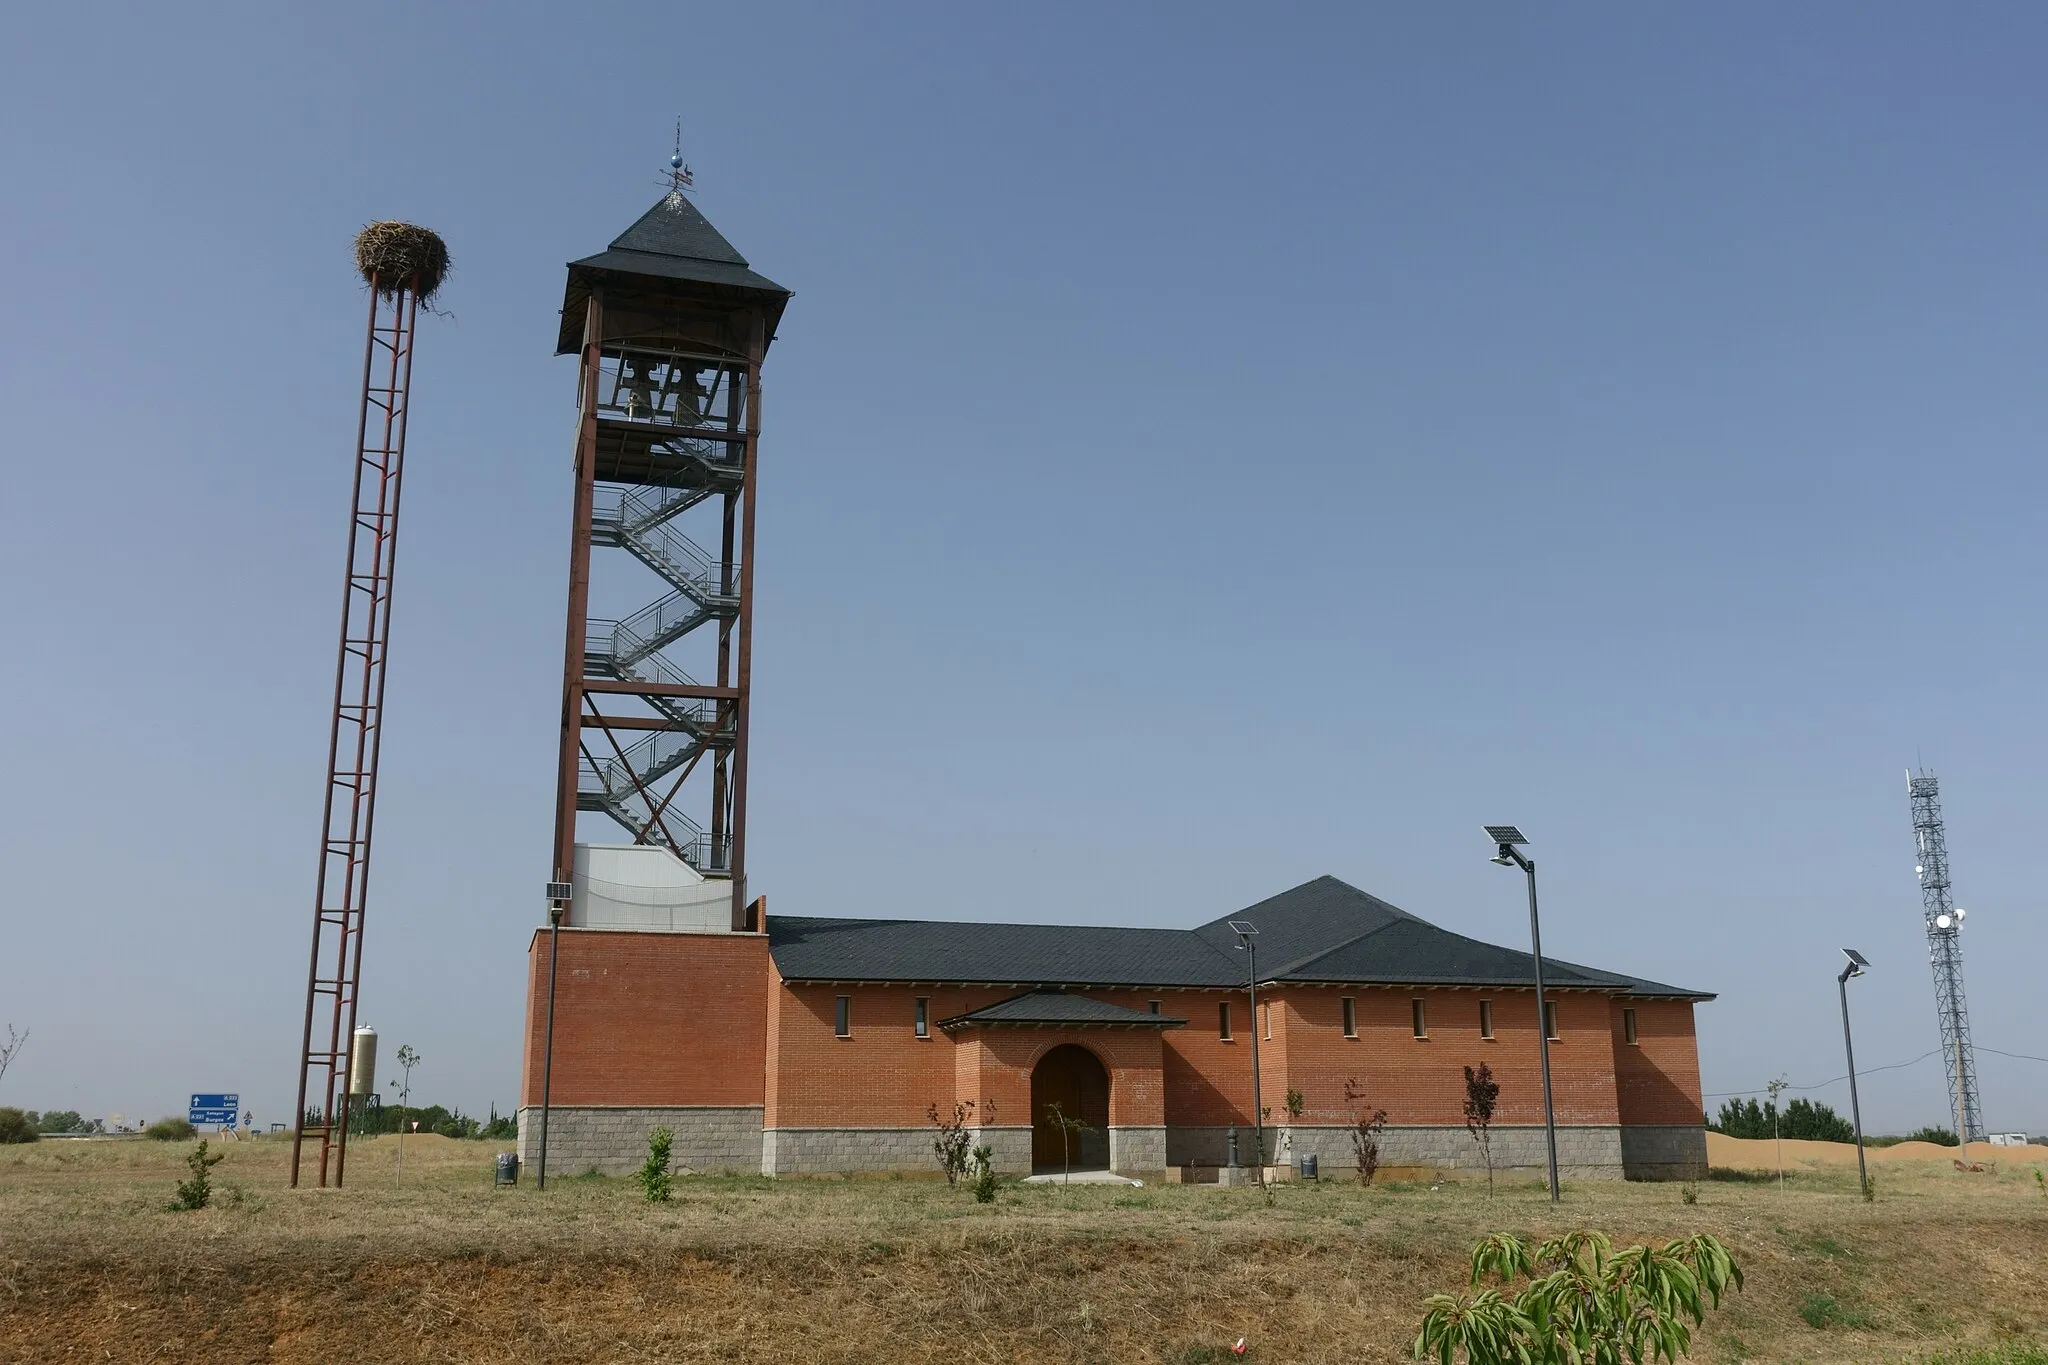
[[670, 417]]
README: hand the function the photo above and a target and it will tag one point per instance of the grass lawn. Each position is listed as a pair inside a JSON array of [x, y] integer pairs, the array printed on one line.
[[442, 1267]]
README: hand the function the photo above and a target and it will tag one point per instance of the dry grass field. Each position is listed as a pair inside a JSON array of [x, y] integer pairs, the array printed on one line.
[[442, 1267]]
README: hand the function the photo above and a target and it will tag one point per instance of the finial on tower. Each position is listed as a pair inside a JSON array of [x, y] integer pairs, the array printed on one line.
[[679, 177]]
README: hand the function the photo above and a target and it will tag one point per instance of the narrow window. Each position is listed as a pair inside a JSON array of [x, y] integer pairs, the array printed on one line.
[[1486, 1019], [1154, 1005], [924, 1016], [1223, 1021], [842, 1018], [1421, 1022], [1268, 1020], [1350, 1017], [1550, 1020], [1628, 1025]]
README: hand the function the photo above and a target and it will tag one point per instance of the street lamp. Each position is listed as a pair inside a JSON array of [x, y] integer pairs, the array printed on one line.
[[1857, 963], [1507, 839], [560, 894], [1246, 931]]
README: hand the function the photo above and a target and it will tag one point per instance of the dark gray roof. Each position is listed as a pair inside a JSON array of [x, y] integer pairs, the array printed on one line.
[[1022, 954], [1323, 931], [1059, 1007], [672, 241]]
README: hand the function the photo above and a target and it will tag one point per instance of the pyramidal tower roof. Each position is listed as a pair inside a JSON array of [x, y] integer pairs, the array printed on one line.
[[672, 241]]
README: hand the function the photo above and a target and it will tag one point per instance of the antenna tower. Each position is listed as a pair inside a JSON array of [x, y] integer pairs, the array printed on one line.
[[1945, 952], [403, 266]]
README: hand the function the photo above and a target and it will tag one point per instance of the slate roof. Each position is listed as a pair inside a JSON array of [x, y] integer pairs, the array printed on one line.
[[1058, 1007], [1323, 931], [671, 241]]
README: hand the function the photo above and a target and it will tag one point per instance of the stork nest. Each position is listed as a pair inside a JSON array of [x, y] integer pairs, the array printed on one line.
[[393, 256]]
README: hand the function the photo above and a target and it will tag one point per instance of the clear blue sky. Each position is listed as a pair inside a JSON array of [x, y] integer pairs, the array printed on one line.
[[1210, 447]]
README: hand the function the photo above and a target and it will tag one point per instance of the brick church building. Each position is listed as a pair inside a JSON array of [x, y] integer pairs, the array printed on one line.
[[819, 1045], [786, 1045]]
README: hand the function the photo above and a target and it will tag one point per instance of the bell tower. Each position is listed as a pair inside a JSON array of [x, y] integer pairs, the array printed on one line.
[[670, 326]]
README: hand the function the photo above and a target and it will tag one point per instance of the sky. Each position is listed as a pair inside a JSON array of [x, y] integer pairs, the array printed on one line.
[[1210, 447]]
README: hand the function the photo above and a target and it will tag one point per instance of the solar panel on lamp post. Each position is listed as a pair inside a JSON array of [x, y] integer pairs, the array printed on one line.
[[1507, 839], [1857, 963], [1246, 931]]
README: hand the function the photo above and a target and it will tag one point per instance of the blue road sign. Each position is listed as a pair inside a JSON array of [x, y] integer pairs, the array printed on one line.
[[214, 1111]]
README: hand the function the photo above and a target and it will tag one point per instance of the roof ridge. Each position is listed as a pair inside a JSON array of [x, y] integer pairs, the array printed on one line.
[[1321, 953]]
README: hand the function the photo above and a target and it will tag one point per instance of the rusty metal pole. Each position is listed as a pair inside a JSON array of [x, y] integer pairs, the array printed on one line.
[[355, 733], [592, 362], [757, 345]]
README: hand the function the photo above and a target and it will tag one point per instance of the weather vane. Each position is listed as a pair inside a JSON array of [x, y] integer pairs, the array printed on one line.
[[679, 177]]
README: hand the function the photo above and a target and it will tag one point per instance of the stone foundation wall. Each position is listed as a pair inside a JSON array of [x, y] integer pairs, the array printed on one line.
[[1676, 1152], [612, 1140], [814, 1151], [1009, 1149], [1583, 1153], [1137, 1151]]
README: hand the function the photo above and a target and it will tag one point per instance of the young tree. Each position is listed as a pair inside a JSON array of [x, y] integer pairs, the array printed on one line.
[[407, 1059], [11, 1048], [953, 1142], [1482, 1094], [1365, 1131], [1777, 1088], [1069, 1129]]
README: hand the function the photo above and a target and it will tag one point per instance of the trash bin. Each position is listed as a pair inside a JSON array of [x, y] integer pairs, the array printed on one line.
[[508, 1169], [1307, 1166]]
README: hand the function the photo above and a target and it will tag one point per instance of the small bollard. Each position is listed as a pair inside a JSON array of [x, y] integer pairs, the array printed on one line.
[[508, 1169], [1233, 1145]]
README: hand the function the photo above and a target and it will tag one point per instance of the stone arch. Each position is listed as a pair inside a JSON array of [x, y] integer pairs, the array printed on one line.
[[1073, 1077]]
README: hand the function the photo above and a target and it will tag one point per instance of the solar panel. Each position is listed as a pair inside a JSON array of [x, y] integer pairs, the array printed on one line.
[[1243, 926], [1505, 834], [1859, 959]]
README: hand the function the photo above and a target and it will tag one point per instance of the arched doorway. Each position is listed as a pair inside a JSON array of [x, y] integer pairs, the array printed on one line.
[[1071, 1077]]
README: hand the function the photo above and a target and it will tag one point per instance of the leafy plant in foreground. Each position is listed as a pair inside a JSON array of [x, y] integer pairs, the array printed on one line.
[[953, 1142], [1584, 1304], [984, 1175], [197, 1192], [1482, 1097], [653, 1175]]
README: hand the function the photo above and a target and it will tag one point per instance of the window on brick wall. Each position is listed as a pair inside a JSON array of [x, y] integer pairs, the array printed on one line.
[[842, 1017], [924, 1016], [1421, 1019], [1153, 1005], [1486, 1019], [1350, 1017], [1550, 1020], [1266, 1023], [1223, 1021], [1628, 1025]]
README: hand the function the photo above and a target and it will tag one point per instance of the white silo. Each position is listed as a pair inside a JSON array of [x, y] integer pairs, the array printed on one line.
[[362, 1062]]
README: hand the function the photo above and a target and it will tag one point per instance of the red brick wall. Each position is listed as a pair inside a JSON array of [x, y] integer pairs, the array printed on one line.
[[1658, 1078], [1423, 1081], [650, 1019], [884, 1076]]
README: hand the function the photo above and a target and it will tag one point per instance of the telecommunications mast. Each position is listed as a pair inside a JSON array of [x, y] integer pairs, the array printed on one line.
[[1945, 952]]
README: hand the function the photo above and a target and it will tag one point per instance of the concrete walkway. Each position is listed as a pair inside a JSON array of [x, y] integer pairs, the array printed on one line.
[[1082, 1178]]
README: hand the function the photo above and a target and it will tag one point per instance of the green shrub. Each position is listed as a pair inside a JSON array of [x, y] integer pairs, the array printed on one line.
[[197, 1192], [654, 1176], [1940, 1137], [16, 1126], [171, 1130], [984, 1175]]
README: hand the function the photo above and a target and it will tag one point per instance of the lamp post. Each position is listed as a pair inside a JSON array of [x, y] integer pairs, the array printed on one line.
[[1857, 963], [1507, 839], [1246, 931], [559, 896]]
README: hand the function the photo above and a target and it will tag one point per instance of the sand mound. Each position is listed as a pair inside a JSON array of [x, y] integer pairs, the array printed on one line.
[[1761, 1154]]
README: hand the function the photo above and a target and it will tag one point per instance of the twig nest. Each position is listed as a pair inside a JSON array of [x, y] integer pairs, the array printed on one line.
[[392, 255]]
